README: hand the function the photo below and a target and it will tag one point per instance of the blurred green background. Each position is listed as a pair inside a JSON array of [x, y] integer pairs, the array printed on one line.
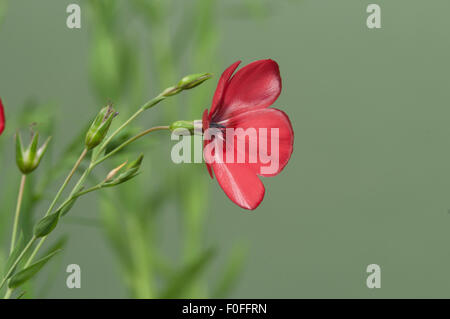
[[369, 179]]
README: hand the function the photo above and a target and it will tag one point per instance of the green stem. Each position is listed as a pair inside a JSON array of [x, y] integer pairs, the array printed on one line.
[[35, 251], [131, 140], [84, 176], [52, 205], [79, 194], [17, 214], [41, 242], [109, 138], [81, 180], [74, 190], [8, 293], [144, 107], [63, 186], [19, 258]]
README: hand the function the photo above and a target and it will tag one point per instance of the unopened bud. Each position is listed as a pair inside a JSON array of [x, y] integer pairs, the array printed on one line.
[[114, 171], [99, 128], [193, 127], [130, 171], [191, 81], [173, 90], [28, 159], [186, 83]]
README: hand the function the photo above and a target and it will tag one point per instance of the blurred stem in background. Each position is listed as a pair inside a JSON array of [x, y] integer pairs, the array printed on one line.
[[36, 187], [28, 160], [2, 10], [34, 191], [179, 35], [194, 193]]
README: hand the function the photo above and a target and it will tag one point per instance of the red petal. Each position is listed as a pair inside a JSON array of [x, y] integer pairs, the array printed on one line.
[[255, 86], [208, 165], [240, 183], [265, 119], [205, 120], [205, 126], [221, 85], [2, 117]]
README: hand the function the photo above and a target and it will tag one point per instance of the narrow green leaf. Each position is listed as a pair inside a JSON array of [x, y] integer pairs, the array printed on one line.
[[66, 208], [21, 295], [57, 245], [183, 279], [15, 253], [53, 269], [46, 225], [24, 275]]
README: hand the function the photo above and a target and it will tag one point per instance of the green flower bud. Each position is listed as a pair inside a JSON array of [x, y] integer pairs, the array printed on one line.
[[191, 81], [173, 90], [100, 127], [28, 160], [188, 125], [186, 83], [114, 172], [135, 165], [192, 126], [130, 171], [46, 225]]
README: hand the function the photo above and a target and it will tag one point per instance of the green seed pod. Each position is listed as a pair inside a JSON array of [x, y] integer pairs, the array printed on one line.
[[100, 127], [28, 159]]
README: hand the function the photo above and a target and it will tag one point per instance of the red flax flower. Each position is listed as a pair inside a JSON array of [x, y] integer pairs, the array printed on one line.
[[2, 118], [241, 102]]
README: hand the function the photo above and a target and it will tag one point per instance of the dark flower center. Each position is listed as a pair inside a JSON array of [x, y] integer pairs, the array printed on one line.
[[216, 125]]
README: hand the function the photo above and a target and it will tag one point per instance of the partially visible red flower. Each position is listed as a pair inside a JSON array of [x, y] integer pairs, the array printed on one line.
[[242, 101], [2, 117]]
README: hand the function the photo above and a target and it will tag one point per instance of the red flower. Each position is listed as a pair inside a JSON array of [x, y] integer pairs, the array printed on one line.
[[2, 118], [242, 101]]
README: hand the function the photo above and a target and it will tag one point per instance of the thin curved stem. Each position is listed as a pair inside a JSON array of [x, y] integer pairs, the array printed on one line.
[[41, 242], [71, 197], [81, 180], [66, 181], [22, 254], [129, 141], [109, 138], [144, 107], [35, 251], [17, 214], [8, 293], [86, 173], [52, 205]]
